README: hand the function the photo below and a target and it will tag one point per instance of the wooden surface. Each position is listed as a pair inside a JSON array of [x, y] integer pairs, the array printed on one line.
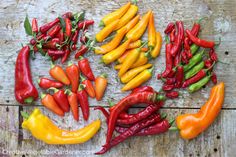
[[218, 140]]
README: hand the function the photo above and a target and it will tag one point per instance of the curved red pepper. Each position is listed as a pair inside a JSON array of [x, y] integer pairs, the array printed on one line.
[[60, 36], [195, 78], [51, 45], [75, 36], [66, 55], [142, 89], [83, 101], [58, 53], [85, 68], [46, 83], [85, 24], [61, 99], [172, 36], [169, 28], [73, 73], [180, 37], [68, 27], [213, 55], [179, 76], [25, 91], [82, 50]]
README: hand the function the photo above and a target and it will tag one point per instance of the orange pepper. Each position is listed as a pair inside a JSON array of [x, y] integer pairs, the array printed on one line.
[[135, 44], [142, 59], [112, 44], [151, 32], [59, 74], [137, 31], [131, 24], [100, 36], [157, 49], [191, 125], [109, 18]]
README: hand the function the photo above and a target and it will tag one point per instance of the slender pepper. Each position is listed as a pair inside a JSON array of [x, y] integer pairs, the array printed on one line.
[[109, 18], [53, 31], [169, 81], [168, 87], [58, 74], [85, 24], [34, 25], [85, 68], [200, 42], [129, 75], [194, 70], [75, 37], [194, 60], [112, 44], [208, 63], [46, 83], [142, 89], [83, 49], [184, 57], [179, 76], [172, 36], [135, 44], [51, 44], [180, 37], [198, 85], [213, 55], [172, 94], [73, 73], [68, 27], [72, 99], [127, 16], [142, 59], [194, 48], [116, 53], [122, 57], [83, 101], [191, 125], [25, 91], [61, 99], [66, 55], [169, 28], [151, 32], [131, 24], [137, 31], [42, 128], [58, 53], [100, 86], [88, 86], [138, 80], [60, 36], [100, 36], [157, 49], [48, 101], [177, 59]]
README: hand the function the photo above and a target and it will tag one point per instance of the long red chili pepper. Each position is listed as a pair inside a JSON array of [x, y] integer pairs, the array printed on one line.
[[172, 94], [202, 73], [38, 37], [85, 24], [130, 132], [184, 57], [187, 48], [75, 36], [82, 50], [180, 37], [213, 55], [169, 28], [66, 55], [46, 83], [58, 53], [73, 73], [172, 36], [169, 81], [34, 25], [25, 91], [52, 32], [88, 86], [61, 99], [68, 27], [83, 101], [179, 76], [72, 99], [85, 68], [60, 36], [51, 45], [200, 42]]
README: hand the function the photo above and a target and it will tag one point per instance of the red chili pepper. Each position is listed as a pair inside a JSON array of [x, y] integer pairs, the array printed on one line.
[[51, 45], [195, 78], [213, 55], [85, 68], [172, 36], [83, 39], [75, 36], [25, 91], [52, 32], [83, 101], [73, 73], [208, 63], [104, 111], [177, 59], [58, 53], [130, 132], [73, 47], [214, 78], [142, 89], [169, 28], [61, 99], [187, 48], [179, 76], [82, 50], [54, 58], [68, 27], [171, 74], [179, 39], [88, 86], [169, 81], [85, 24], [60, 36], [200, 42], [39, 37], [167, 87], [66, 55], [34, 25], [128, 101], [184, 57], [172, 94], [46, 83], [72, 99]]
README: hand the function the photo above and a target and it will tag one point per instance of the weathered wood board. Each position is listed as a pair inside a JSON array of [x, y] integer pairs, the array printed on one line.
[[218, 140]]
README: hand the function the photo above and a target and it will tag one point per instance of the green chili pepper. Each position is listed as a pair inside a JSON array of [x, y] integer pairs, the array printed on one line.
[[193, 61], [196, 86], [194, 70], [194, 48]]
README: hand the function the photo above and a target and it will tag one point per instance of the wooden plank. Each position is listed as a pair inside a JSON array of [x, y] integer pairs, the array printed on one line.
[[218, 140]]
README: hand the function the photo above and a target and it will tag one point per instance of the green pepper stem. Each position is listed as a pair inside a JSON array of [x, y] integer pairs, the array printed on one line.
[[163, 115], [104, 75], [25, 115], [173, 129], [68, 92], [42, 95], [69, 64], [82, 77], [171, 122], [110, 103], [200, 20], [144, 44], [81, 57], [167, 40], [53, 89], [101, 24], [81, 87], [52, 64], [29, 100]]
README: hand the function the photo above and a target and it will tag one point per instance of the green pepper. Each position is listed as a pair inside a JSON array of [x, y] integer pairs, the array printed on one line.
[[193, 61], [194, 48], [194, 70], [196, 86]]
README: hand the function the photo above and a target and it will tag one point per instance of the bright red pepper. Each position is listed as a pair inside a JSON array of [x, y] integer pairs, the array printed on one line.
[[46, 83], [51, 45], [172, 94], [72, 99], [169, 81], [167, 87], [34, 25], [195, 78], [177, 58], [85, 24], [179, 76], [25, 91], [142, 89], [172, 36], [184, 57], [75, 36], [179, 39], [60, 36], [66, 55], [82, 50], [85, 68], [61, 99], [208, 63], [88, 86], [73, 73], [83, 101], [68, 27], [52, 32], [169, 28]]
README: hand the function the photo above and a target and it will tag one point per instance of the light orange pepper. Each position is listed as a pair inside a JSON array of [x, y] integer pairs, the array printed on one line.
[[151, 32], [142, 59], [191, 125], [131, 24], [135, 44], [157, 49]]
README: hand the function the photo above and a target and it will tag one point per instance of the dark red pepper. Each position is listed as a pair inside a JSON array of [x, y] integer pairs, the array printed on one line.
[[172, 94], [25, 91], [83, 39], [60, 36], [82, 50], [46, 83], [169, 28], [177, 59], [180, 37], [184, 57], [83, 101], [195, 78], [66, 55], [52, 32], [85, 68], [169, 81], [58, 53], [208, 63], [142, 89], [51, 45], [85, 24], [68, 27], [167, 87], [34, 25], [214, 78], [213, 55], [61, 99], [179, 76], [172, 36], [75, 36]]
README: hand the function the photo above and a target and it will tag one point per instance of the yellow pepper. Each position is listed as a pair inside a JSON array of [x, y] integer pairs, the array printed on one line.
[[135, 44], [109, 18], [128, 16], [142, 59], [129, 75], [157, 49], [138, 80], [100, 36], [131, 24], [116, 53], [191, 125], [151, 32], [117, 67], [112, 44], [42, 128], [137, 31]]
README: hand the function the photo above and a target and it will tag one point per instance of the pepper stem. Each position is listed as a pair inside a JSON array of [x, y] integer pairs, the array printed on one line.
[[81, 87], [200, 20], [167, 40], [144, 44], [151, 69], [29, 100], [101, 24], [163, 115], [110, 103], [104, 75], [70, 63], [42, 95], [25, 115], [171, 122], [173, 129], [210, 66], [68, 92], [81, 57], [82, 77], [52, 64], [53, 89]]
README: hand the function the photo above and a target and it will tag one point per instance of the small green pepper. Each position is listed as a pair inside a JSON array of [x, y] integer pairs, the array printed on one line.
[[194, 70], [196, 86], [193, 61]]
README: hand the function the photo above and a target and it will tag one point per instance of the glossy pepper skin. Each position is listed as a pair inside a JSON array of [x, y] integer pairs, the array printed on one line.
[[157, 48], [179, 39], [137, 31], [42, 128], [194, 70], [25, 91], [52, 32], [85, 24], [193, 61], [68, 27], [46, 83], [100, 86], [130, 24], [58, 73], [73, 101], [83, 101], [88, 86], [151, 32], [73, 73], [109, 18], [169, 28], [198, 85], [85, 68], [191, 125], [34, 25], [142, 59], [61, 99], [66, 55], [135, 44]]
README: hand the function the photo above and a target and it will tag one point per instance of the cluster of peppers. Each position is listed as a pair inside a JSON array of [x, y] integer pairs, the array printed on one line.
[[146, 122], [126, 47], [62, 100], [187, 65]]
